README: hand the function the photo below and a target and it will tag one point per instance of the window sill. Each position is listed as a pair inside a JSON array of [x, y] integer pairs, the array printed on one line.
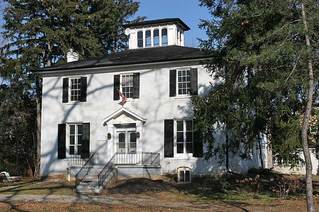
[[182, 97], [184, 156], [73, 103]]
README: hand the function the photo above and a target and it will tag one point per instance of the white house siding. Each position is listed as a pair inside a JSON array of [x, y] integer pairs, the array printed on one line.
[[300, 168], [154, 104]]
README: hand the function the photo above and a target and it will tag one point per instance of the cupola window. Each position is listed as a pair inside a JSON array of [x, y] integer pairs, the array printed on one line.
[[148, 40], [164, 37], [156, 38], [140, 39]]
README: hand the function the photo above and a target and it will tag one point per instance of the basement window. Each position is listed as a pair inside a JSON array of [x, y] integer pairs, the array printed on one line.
[[184, 175]]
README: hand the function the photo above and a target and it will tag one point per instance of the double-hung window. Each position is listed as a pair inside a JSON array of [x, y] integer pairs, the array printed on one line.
[[75, 138], [183, 82], [75, 89], [184, 136], [127, 85]]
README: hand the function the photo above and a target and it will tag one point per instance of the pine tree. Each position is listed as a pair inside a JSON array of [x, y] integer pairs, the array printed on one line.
[[260, 54], [40, 33]]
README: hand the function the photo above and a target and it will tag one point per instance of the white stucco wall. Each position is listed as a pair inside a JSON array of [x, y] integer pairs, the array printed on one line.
[[154, 104]]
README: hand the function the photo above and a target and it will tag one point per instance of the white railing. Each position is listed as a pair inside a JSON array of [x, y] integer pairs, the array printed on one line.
[[138, 158]]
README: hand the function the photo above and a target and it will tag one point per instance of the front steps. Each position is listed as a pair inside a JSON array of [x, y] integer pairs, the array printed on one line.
[[90, 182]]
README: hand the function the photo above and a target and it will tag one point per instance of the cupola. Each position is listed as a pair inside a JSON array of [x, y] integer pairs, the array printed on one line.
[[156, 33]]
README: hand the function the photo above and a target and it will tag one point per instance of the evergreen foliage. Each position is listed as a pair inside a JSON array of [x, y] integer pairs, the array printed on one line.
[[39, 34], [259, 58]]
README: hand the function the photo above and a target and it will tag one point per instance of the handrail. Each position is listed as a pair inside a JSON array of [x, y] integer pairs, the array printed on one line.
[[84, 166], [105, 169]]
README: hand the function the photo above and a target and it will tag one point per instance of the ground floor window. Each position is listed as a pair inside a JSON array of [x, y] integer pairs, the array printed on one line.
[[184, 136], [75, 139]]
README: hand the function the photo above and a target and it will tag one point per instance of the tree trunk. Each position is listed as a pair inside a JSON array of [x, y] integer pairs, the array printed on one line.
[[227, 150], [260, 152], [305, 125], [38, 128]]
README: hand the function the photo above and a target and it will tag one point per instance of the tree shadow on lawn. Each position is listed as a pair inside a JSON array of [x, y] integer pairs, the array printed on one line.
[[194, 193]]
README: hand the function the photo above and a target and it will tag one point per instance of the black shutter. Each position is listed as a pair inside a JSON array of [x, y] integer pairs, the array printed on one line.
[[83, 89], [116, 95], [136, 85], [172, 83], [198, 141], [85, 147], [65, 91], [61, 141], [169, 138], [194, 81]]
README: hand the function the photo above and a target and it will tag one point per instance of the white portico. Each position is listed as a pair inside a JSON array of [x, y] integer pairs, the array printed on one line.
[[124, 131]]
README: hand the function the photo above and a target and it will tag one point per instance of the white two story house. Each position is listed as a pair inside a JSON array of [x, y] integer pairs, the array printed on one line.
[[130, 110]]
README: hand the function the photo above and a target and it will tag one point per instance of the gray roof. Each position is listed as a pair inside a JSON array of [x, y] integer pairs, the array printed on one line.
[[135, 56], [159, 21]]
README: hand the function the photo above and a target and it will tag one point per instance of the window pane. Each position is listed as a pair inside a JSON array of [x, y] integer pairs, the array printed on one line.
[[156, 37], [71, 150], [80, 129], [189, 147], [179, 125], [164, 37], [72, 139], [79, 139], [180, 148], [189, 125], [122, 142], [180, 138], [189, 136], [181, 176], [72, 129], [148, 38], [187, 176], [140, 39]]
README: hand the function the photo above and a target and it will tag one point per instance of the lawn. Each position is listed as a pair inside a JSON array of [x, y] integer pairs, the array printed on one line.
[[151, 195], [29, 186]]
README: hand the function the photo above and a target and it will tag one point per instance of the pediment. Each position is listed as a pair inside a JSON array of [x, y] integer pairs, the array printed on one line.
[[123, 116]]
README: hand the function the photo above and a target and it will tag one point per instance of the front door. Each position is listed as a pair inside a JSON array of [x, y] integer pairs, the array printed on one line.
[[126, 140]]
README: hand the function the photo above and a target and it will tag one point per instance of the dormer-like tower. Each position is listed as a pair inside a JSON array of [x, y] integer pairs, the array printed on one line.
[[156, 33]]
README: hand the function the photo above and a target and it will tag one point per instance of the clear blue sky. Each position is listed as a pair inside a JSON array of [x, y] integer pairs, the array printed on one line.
[[187, 10]]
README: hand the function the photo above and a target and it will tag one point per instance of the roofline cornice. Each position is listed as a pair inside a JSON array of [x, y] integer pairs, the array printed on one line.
[[116, 68]]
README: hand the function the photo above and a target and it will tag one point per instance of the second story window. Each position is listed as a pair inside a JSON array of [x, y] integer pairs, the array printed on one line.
[[148, 39], [127, 85], [156, 38], [183, 82], [140, 39], [164, 37], [74, 89]]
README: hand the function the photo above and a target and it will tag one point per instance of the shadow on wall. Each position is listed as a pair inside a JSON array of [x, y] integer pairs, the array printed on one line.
[[155, 119]]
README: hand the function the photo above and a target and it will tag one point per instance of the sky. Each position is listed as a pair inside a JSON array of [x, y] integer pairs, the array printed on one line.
[[187, 10]]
